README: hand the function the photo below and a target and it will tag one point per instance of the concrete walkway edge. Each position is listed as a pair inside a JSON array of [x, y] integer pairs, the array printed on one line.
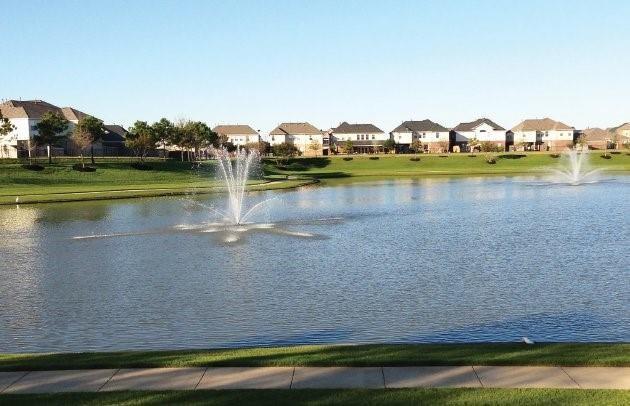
[[204, 378]]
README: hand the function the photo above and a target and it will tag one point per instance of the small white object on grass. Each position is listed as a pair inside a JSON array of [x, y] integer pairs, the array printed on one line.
[[17, 199], [527, 340]]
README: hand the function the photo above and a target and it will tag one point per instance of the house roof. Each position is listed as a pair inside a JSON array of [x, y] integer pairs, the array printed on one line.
[[621, 127], [295, 128], [114, 133], [234, 129], [596, 134], [542, 124], [35, 109], [474, 124], [424, 125], [345, 128]]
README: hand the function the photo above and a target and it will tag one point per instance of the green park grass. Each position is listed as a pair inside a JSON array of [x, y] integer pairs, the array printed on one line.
[[392, 166], [116, 178], [516, 397], [552, 354]]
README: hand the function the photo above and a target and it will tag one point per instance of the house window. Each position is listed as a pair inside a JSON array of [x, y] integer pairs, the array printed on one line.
[[373, 136], [357, 136], [437, 135], [482, 131]]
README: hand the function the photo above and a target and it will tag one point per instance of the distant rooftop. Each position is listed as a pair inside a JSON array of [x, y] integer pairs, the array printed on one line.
[[35, 109], [345, 128], [234, 129], [295, 128], [419, 126], [542, 124], [474, 124]]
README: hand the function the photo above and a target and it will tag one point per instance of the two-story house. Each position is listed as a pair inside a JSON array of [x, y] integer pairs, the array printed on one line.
[[24, 115], [543, 135], [307, 139], [237, 134], [433, 136], [366, 138], [482, 130]]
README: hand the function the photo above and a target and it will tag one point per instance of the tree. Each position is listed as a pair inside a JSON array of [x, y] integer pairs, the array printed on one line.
[[348, 146], [315, 146], [444, 145], [582, 142], [262, 147], [6, 127], [92, 128], [473, 143], [285, 151], [488, 146], [49, 130], [165, 133], [82, 138], [229, 146], [141, 139], [416, 146], [389, 145], [195, 135]]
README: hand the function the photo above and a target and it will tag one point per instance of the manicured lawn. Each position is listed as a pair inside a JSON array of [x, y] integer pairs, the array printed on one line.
[[113, 179], [432, 164], [530, 397], [355, 355]]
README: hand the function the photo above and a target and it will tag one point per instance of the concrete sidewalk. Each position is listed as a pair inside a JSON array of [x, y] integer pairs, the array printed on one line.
[[100, 380]]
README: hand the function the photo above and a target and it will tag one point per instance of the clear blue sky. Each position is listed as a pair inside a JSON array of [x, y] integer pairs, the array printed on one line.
[[263, 62]]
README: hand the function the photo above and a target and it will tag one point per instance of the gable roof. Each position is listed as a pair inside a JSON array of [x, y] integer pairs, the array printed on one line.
[[114, 134], [474, 124], [542, 124], [424, 125], [345, 128], [621, 127], [35, 109], [295, 128], [234, 129], [596, 134]]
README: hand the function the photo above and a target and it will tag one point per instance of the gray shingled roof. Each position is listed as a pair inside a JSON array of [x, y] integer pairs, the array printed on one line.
[[419, 126], [345, 128], [474, 124], [36, 109], [234, 129], [114, 134], [295, 128], [542, 124]]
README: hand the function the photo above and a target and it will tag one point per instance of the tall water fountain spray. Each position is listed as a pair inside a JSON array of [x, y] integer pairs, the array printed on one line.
[[235, 170], [577, 170]]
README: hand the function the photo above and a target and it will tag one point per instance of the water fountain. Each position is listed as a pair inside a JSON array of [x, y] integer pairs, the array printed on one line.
[[576, 171], [233, 171]]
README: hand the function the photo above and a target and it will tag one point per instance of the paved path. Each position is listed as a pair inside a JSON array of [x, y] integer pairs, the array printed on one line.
[[101, 380]]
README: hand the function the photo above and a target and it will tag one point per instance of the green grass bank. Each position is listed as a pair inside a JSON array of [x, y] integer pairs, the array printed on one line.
[[556, 354], [116, 178], [513, 397]]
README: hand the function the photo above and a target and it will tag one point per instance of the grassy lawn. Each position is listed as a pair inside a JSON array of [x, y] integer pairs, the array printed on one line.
[[331, 355], [433, 164], [331, 396], [115, 178]]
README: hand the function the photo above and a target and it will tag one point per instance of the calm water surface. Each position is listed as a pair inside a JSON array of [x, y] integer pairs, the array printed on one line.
[[438, 260]]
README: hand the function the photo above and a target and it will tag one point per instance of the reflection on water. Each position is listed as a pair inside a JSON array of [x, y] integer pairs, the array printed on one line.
[[426, 260]]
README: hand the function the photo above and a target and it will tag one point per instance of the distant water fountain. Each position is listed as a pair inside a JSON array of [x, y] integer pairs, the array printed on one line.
[[576, 169]]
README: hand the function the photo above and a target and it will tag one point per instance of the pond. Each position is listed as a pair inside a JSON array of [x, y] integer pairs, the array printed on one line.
[[408, 261]]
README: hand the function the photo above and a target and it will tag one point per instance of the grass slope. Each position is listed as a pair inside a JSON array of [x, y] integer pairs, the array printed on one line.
[[530, 397], [356, 355], [431, 164]]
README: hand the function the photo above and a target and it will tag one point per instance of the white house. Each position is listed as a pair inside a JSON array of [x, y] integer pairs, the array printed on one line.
[[309, 140], [237, 134], [24, 115], [433, 136], [366, 138], [482, 129], [543, 134]]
